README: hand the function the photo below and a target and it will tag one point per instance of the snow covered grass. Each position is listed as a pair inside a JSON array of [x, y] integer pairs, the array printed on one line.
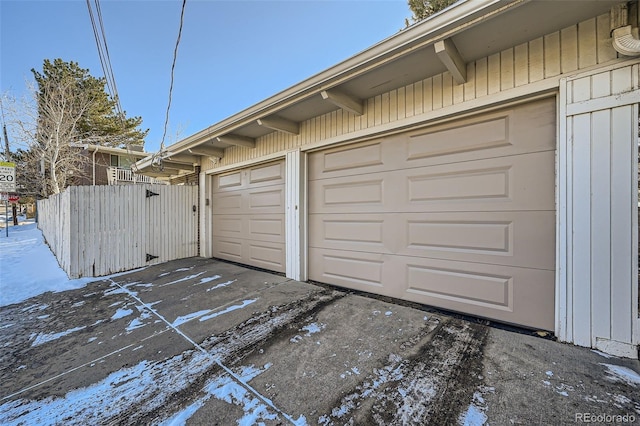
[[20, 279], [618, 373]]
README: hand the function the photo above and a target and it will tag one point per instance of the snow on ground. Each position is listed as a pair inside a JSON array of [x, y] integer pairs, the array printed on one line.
[[20, 278], [618, 373]]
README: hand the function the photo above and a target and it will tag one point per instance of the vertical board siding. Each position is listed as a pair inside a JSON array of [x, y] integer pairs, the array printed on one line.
[[100, 230], [578, 46], [601, 174]]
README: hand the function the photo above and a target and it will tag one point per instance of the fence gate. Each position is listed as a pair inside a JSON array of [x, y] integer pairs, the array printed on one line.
[[100, 230]]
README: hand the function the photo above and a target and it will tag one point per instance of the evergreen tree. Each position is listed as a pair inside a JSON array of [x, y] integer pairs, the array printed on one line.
[[422, 9], [99, 123]]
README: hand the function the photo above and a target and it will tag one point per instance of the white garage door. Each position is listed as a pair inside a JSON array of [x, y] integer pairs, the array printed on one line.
[[459, 216], [248, 216]]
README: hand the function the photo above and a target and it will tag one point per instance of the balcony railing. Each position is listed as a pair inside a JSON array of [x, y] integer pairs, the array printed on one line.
[[119, 176]]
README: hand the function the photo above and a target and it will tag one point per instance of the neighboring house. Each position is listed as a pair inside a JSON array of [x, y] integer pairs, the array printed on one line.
[[482, 161], [111, 166]]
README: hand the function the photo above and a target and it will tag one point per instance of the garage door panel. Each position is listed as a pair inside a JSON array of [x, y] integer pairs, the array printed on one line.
[[265, 200], [356, 232], [349, 158], [359, 271], [470, 287], [459, 216], [228, 248], [229, 226], [467, 137], [227, 181], [503, 133], [268, 255], [267, 174], [520, 130], [502, 238], [248, 216], [259, 227], [252, 177], [521, 182], [505, 293]]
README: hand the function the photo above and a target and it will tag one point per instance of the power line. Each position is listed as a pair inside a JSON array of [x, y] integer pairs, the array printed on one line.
[[114, 88], [103, 54], [173, 66]]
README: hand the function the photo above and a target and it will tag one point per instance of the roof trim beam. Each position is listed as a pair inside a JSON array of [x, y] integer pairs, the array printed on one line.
[[342, 100], [180, 158], [162, 173], [280, 124], [448, 54], [237, 140], [207, 151], [177, 166]]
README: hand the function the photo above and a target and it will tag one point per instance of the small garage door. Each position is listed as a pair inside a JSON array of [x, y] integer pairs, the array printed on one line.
[[460, 216], [248, 216]]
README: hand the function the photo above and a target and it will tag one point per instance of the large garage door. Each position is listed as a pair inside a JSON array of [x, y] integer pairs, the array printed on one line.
[[248, 216], [459, 216]]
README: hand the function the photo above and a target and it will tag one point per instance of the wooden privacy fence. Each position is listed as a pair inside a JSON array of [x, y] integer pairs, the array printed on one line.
[[100, 230]]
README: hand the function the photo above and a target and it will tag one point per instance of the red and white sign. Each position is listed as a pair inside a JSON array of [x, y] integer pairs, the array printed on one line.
[[14, 198]]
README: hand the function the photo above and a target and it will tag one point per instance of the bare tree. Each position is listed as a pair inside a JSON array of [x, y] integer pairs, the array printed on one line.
[[45, 127], [68, 107]]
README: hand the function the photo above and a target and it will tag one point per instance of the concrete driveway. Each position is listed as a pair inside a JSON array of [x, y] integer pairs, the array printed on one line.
[[198, 341]]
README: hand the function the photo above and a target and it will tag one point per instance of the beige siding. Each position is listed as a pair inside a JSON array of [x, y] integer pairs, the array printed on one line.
[[579, 46]]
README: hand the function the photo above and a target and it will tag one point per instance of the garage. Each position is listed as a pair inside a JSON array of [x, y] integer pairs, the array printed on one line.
[[459, 216], [248, 216]]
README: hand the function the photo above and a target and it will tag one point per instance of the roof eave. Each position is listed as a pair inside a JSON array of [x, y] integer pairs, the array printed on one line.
[[437, 27]]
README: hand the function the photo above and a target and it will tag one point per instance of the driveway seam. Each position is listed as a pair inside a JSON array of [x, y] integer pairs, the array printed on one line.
[[66, 372], [233, 375]]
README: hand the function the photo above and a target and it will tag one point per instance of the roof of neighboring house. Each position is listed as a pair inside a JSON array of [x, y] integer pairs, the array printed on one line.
[[464, 32], [109, 150]]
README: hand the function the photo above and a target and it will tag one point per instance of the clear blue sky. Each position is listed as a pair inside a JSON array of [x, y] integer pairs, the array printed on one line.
[[232, 55]]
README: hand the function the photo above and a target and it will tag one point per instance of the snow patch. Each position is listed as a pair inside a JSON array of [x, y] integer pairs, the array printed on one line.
[[229, 309], [187, 278], [207, 279], [20, 280], [618, 373], [44, 337], [221, 285], [186, 318], [225, 388], [474, 416], [121, 313]]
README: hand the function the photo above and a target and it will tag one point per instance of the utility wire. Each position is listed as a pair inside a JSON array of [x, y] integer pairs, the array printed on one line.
[[105, 60], [114, 88], [103, 54], [173, 66]]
